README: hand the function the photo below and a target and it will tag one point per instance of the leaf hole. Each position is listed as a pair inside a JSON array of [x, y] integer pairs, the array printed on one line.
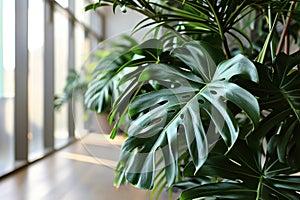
[[155, 121], [185, 69], [182, 116], [223, 99], [172, 111], [201, 101], [214, 92], [180, 129], [186, 96], [163, 102]]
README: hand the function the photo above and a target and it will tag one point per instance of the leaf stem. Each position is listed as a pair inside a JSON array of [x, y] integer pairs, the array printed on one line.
[[258, 191], [221, 32], [270, 29], [285, 30], [226, 47], [260, 58]]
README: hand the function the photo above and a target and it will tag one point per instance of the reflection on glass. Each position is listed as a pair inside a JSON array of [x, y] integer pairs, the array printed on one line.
[[36, 77], [60, 73], [7, 80]]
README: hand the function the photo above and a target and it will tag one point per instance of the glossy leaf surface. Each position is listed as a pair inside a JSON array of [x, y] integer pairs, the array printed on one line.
[[171, 119]]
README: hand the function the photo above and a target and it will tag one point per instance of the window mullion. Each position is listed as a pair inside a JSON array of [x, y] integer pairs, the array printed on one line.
[[71, 65], [21, 80], [49, 77]]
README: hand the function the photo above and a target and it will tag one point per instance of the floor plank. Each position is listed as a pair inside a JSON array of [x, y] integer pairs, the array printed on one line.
[[84, 170]]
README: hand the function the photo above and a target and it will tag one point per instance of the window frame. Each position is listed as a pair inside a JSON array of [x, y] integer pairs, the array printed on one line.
[[21, 118]]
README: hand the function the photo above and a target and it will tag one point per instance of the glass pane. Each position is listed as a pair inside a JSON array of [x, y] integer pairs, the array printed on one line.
[[93, 43], [79, 9], [96, 23], [36, 77], [87, 18], [7, 80], [63, 3], [81, 47], [90, 18], [82, 51], [61, 34]]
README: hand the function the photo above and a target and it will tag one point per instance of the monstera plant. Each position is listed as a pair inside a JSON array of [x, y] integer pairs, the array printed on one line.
[[211, 103]]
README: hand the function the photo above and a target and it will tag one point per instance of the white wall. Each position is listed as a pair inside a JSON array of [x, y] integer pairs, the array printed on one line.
[[118, 23]]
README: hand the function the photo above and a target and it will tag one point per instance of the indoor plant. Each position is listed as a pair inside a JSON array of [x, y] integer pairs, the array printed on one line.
[[180, 91]]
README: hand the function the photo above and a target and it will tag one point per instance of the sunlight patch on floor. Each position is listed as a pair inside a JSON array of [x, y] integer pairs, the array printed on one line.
[[103, 139], [89, 159]]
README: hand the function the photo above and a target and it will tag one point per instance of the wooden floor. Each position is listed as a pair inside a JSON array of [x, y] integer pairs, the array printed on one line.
[[82, 171]]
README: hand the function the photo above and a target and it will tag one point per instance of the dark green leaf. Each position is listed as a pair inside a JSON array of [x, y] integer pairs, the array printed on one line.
[[218, 190]]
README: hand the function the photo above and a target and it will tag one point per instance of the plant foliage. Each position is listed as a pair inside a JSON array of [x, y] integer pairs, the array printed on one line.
[[201, 91], [214, 111], [240, 175]]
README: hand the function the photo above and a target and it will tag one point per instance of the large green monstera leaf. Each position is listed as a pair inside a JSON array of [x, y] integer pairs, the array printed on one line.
[[185, 114]]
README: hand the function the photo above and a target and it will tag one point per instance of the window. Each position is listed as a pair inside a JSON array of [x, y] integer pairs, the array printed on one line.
[[63, 3], [79, 10], [96, 23], [81, 54], [34, 63], [61, 34], [7, 91], [36, 77]]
